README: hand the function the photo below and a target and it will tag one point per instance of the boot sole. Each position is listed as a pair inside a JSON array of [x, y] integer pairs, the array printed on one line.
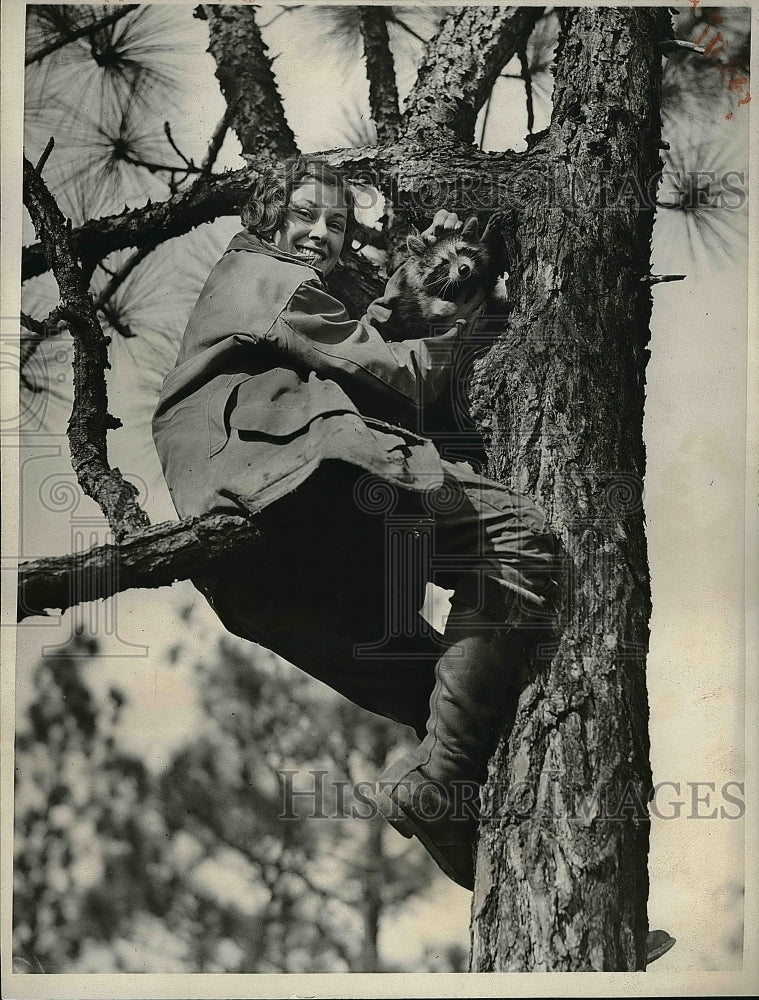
[[402, 822], [658, 943]]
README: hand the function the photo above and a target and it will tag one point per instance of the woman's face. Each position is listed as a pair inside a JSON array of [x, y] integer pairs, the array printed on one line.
[[315, 221]]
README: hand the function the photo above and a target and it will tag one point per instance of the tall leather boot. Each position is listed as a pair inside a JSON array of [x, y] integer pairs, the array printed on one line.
[[433, 792]]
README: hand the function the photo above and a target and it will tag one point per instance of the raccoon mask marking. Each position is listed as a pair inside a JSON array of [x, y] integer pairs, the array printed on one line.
[[452, 268]]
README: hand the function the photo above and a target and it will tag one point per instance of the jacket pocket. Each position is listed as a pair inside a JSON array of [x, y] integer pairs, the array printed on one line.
[[279, 404], [221, 402]]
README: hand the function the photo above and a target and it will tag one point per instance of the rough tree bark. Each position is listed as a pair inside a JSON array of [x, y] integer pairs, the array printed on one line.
[[562, 878], [244, 72], [90, 419], [560, 885], [452, 86], [154, 557]]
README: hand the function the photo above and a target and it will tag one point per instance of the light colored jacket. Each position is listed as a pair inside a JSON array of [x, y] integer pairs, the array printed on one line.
[[273, 377]]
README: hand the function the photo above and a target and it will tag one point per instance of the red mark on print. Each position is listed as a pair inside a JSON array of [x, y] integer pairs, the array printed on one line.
[[730, 70]]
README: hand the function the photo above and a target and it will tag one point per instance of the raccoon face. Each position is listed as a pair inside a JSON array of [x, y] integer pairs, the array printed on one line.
[[454, 265]]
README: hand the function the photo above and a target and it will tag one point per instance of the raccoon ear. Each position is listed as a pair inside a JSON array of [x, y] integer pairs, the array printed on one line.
[[470, 227], [415, 244], [494, 225], [493, 236]]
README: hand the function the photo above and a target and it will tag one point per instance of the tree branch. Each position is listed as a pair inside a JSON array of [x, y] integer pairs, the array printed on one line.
[[156, 556], [217, 141], [39, 330], [407, 169], [485, 117], [380, 71], [527, 77], [245, 76], [460, 66], [161, 168], [45, 154], [203, 201], [89, 421], [169, 135], [38, 327], [72, 36], [121, 275]]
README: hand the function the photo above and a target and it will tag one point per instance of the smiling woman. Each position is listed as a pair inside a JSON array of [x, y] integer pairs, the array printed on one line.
[[282, 406], [307, 212], [314, 230]]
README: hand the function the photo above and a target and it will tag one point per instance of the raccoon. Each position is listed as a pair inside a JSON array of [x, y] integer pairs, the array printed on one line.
[[452, 269]]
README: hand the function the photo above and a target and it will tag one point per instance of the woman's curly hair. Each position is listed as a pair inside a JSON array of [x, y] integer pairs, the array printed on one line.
[[263, 212]]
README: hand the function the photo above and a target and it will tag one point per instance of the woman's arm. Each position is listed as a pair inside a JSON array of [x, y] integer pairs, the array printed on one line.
[[319, 335]]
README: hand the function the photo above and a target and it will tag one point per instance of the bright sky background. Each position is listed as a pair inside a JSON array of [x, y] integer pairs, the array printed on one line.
[[694, 497]]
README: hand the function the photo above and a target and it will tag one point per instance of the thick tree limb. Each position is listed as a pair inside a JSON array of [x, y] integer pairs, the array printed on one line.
[[89, 421], [207, 199], [380, 71], [460, 66], [83, 32], [154, 557], [245, 76], [410, 169]]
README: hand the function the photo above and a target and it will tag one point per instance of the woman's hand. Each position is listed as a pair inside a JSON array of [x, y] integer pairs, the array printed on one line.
[[465, 312], [443, 223]]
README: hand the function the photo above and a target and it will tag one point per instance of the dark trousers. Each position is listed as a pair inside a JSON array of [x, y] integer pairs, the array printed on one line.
[[337, 584]]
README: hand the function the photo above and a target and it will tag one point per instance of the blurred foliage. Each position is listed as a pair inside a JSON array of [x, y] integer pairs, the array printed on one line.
[[704, 88], [704, 190], [192, 868]]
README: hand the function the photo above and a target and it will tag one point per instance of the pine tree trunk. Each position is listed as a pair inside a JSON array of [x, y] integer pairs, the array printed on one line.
[[562, 878]]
